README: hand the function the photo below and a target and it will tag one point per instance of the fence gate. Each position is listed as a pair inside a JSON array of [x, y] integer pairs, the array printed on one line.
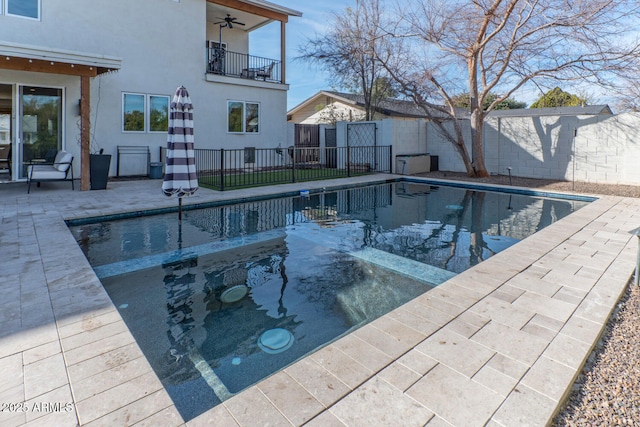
[[330, 143], [361, 143], [307, 137]]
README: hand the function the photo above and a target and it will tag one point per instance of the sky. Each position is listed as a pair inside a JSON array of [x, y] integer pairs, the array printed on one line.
[[304, 79]]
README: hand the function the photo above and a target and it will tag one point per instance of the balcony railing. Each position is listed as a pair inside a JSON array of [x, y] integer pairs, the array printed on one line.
[[223, 62]]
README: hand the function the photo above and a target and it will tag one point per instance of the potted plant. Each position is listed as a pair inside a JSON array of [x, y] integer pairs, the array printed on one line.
[[99, 162], [99, 170]]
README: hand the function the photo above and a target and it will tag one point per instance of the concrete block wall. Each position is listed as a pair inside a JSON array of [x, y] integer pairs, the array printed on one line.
[[448, 157], [599, 149], [409, 136], [535, 147], [608, 150]]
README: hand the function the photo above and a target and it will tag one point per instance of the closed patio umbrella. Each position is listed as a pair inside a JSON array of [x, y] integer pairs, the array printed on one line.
[[180, 177]]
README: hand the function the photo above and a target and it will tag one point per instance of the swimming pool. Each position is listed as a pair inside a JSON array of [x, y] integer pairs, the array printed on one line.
[[238, 292]]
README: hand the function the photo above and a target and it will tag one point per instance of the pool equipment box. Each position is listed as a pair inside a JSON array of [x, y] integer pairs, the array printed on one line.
[[409, 164]]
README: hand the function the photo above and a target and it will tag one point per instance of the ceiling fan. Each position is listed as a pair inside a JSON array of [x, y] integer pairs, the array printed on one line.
[[228, 21]]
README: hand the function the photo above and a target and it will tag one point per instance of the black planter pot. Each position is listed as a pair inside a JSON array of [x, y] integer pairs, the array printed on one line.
[[99, 170]]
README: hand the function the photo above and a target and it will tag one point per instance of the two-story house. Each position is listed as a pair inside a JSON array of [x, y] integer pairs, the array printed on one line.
[[83, 76]]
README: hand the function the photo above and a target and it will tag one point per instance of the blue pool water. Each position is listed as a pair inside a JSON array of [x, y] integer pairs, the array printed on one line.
[[235, 293]]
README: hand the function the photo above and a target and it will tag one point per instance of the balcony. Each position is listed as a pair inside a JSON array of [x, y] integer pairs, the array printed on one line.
[[233, 64]]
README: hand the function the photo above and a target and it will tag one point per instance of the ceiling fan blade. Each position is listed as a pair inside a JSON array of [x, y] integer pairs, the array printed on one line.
[[228, 21]]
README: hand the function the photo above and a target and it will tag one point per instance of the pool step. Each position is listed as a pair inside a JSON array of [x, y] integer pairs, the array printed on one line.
[[181, 255], [405, 266], [398, 264]]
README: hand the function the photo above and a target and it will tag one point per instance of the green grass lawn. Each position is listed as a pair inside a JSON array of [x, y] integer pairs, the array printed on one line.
[[283, 176]]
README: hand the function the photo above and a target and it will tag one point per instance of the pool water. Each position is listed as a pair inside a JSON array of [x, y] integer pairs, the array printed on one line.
[[235, 293]]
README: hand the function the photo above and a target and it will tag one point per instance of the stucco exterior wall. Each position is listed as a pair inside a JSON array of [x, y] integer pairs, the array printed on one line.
[[162, 46]]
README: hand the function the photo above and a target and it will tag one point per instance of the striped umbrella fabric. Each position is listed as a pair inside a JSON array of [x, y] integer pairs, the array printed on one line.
[[180, 178]]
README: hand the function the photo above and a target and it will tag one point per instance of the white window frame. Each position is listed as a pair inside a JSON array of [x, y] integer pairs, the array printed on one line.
[[144, 111], [244, 117], [148, 112], [4, 8]]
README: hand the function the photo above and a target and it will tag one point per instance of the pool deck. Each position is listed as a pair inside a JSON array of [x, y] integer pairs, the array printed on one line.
[[498, 345]]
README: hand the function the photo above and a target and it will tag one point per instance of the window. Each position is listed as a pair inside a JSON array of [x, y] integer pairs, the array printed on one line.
[[133, 112], [158, 113], [235, 116], [251, 118], [145, 113], [25, 8], [243, 117]]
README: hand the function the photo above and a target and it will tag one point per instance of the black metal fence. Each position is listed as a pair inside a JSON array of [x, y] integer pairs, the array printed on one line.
[[225, 169]]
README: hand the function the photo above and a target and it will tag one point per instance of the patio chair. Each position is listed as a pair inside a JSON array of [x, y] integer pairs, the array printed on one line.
[[265, 72], [5, 157], [56, 171]]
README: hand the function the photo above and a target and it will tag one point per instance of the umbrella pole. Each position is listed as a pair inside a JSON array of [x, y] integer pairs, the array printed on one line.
[[180, 208]]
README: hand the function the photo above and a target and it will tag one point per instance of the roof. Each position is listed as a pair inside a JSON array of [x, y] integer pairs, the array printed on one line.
[[402, 108], [274, 7], [587, 110], [388, 107], [45, 59]]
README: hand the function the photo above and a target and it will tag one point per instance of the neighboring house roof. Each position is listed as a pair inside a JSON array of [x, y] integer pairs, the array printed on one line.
[[407, 109], [387, 107], [587, 110]]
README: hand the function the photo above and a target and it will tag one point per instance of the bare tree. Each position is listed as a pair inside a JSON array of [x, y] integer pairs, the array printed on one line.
[[628, 97], [441, 48], [347, 52]]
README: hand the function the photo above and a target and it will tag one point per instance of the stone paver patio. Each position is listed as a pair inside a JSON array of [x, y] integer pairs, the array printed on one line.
[[497, 345]]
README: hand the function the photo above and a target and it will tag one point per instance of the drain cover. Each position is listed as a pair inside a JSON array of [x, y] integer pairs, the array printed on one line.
[[234, 293], [275, 340]]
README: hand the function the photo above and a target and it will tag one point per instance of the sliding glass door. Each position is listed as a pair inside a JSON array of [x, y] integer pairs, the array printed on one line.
[[40, 125]]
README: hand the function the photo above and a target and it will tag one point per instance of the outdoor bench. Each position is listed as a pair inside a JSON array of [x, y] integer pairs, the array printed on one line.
[[56, 171]]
